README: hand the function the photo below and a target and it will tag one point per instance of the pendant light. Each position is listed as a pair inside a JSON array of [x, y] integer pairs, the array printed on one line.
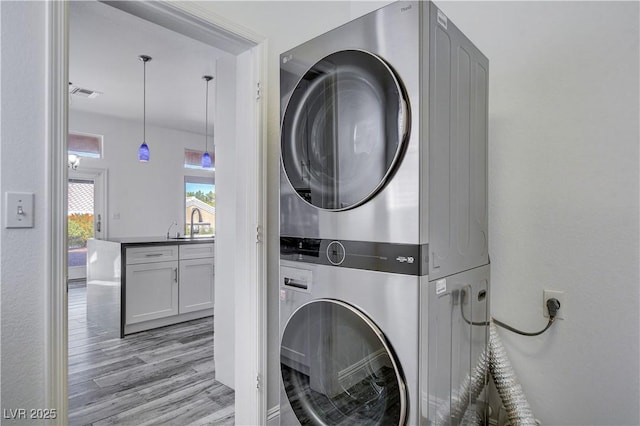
[[206, 158], [143, 151]]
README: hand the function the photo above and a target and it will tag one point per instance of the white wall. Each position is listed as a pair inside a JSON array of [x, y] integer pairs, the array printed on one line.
[[563, 154], [224, 306], [147, 197], [22, 166]]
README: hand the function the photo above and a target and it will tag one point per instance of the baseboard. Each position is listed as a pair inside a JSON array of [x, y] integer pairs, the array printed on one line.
[[273, 413], [162, 322]]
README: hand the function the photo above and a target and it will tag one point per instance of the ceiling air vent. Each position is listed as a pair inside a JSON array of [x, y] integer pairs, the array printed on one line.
[[85, 93]]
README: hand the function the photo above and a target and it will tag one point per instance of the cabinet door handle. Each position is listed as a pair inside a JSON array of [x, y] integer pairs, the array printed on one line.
[[175, 276], [153, 254]]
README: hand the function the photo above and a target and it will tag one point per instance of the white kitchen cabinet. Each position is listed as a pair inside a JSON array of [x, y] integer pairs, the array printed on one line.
[[196, 285], [196, 277], [151, 291], [167, 284]]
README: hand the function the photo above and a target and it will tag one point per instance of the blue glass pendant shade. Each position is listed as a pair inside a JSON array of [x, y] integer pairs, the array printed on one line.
[[206, 160], [143, 152]]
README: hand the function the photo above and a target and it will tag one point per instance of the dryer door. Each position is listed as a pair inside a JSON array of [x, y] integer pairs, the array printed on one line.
[[346, 373], [344, 130]]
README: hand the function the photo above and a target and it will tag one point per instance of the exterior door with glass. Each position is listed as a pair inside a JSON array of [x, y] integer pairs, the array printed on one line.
[[86, 218]]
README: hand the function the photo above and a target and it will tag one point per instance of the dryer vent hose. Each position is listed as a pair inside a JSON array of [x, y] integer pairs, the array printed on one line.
[[515, 403], [460, 412], [509, 389]]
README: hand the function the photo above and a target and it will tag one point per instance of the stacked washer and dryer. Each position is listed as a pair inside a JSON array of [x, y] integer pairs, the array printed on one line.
[[384, 266]]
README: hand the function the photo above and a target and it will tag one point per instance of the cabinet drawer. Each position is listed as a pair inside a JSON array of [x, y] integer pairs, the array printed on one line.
[[151, 254], [196, 251]]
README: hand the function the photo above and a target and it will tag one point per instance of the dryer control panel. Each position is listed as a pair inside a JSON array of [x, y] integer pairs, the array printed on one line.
[[409, 259]]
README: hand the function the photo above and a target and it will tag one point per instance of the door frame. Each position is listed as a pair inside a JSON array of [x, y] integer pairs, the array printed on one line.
[[250, 368], [100, 179]]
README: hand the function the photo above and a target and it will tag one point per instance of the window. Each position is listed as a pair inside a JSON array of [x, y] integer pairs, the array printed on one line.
[[193, 160], [84, 145], [200, 196]]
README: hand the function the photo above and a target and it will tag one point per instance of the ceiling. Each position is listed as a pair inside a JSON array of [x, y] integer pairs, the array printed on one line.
[[104, 45]]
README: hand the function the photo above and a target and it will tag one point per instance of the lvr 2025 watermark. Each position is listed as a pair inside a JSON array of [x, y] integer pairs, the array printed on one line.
[[32, 413]]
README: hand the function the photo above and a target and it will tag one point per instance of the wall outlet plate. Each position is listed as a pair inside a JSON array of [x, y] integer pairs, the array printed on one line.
[[554, 294]]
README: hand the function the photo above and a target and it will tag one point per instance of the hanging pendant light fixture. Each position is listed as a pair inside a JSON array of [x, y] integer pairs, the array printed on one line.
[[143, 151], [206, 158]]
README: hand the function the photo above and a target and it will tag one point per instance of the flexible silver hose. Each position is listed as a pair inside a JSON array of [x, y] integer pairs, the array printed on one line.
[[515, 403], [460, 411], [507, 384]]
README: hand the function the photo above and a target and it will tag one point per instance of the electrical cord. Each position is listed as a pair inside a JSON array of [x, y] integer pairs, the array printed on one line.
[[524, 333], [552, 305]]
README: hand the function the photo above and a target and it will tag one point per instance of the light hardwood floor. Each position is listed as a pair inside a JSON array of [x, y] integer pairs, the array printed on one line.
[[161, 376]]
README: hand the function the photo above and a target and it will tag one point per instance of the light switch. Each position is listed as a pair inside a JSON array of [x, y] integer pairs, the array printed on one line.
[[18, 209]]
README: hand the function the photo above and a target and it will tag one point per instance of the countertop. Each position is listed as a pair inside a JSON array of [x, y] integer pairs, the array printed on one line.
[[132, 241]]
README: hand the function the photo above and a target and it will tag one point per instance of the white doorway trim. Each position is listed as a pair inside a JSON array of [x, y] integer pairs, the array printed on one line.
[[57, 114], [193, 20]]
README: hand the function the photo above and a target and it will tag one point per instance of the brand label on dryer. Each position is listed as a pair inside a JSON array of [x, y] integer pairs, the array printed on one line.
[[441, 286], [442, 19]]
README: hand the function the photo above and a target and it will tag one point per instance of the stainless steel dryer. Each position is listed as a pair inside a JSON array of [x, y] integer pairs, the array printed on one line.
[[345, 357], [383, 209]]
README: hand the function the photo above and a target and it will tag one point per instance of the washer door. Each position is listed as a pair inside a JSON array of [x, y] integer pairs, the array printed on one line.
[[344, 130], [338, 368]]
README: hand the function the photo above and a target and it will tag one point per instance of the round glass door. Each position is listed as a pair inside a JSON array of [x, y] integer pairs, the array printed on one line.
[[338, 368], [344, 130]]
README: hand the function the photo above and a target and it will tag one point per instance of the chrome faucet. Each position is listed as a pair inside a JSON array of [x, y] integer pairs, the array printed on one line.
[[195, 209]]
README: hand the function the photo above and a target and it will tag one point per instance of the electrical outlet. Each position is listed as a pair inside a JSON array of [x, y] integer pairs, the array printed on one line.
[[554, 294]]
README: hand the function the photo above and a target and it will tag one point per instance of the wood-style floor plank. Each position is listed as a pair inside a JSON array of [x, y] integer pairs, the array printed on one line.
[[161, 376]]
